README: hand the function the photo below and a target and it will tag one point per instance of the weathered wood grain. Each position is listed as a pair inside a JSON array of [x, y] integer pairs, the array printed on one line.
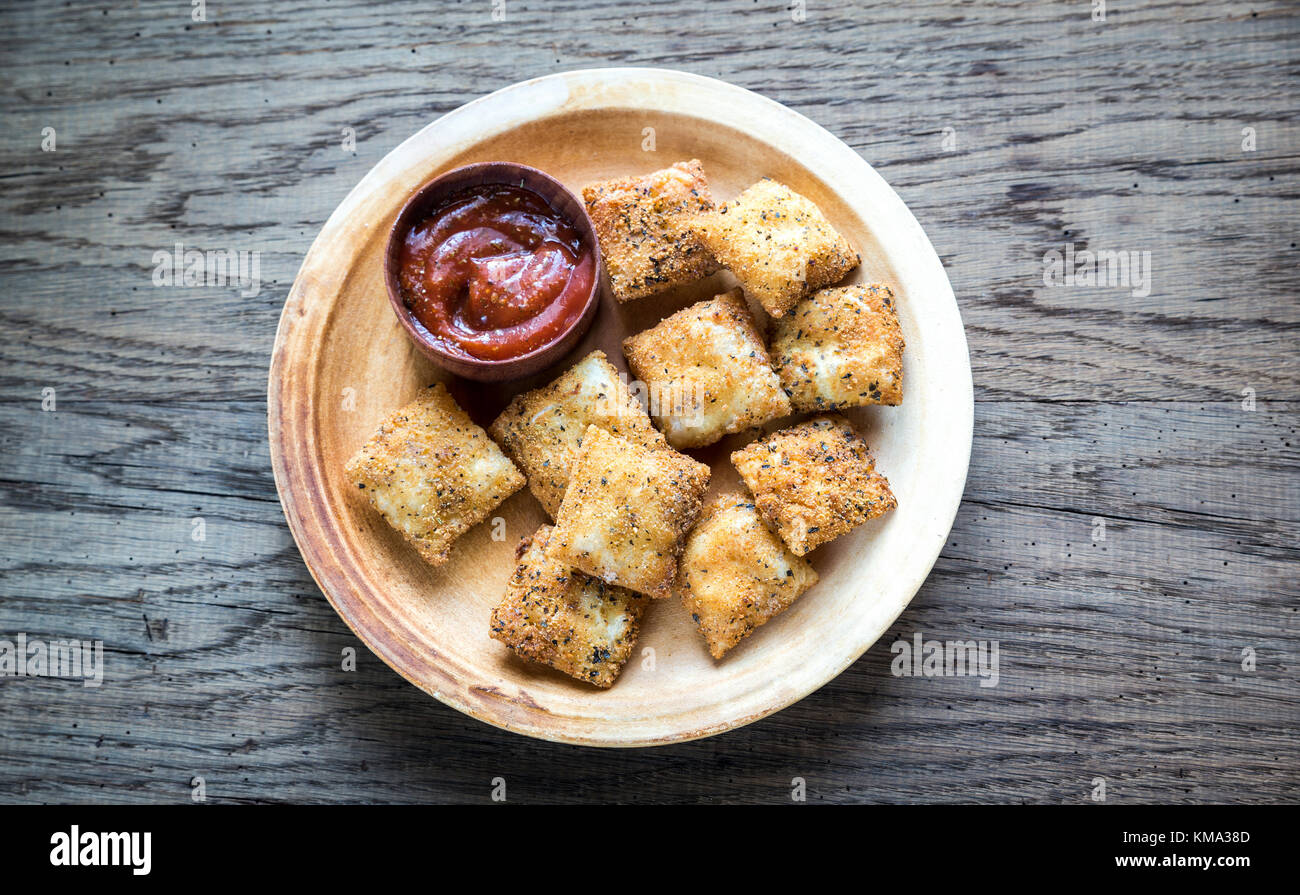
[[1120, 659]]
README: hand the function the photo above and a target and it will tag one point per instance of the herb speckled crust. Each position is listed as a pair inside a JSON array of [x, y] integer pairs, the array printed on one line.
[[814, 482], [735, 574], [542, 430], [841, 348], [627, 510], [562, 618], [643, 224], [777, 243], [432, 473], [708, 372]]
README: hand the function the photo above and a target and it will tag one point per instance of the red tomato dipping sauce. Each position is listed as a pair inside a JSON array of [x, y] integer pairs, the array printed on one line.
[[495, 272]]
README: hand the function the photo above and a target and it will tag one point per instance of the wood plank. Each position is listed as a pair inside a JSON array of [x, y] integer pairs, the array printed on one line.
[[1104, 153], [1120, 658]]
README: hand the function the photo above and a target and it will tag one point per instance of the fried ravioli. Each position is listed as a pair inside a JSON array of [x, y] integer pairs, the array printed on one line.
[[642, 224], [735, 574], [777, 243], [707, 372], [841, 348], [814, 482], [542, 430], [626, 511], [432, 473], [560, 617]]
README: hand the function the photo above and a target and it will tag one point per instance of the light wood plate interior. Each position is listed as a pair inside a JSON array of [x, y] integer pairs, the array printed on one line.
[[341, 363]]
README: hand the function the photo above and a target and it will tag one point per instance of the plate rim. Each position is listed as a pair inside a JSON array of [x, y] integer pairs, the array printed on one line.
[[390, 650]]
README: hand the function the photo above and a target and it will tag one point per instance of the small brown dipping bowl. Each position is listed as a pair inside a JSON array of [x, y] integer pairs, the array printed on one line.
[[425, 201]]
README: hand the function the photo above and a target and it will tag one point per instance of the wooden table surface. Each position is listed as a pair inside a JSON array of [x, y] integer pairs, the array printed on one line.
[[1163, 659]]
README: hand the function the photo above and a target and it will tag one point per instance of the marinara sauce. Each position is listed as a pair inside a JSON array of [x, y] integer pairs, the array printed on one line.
[[495, 272]]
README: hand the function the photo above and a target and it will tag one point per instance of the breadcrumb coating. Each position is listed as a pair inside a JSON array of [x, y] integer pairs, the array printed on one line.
[[560, 617], [735, 574], [707, 372], [643, 225], [432, 473], [542, 429], [627, 510], [841, 348], [814, 482], [777, 243]]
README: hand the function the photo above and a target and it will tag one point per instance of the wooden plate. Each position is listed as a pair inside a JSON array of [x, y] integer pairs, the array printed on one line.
[[341, 363]]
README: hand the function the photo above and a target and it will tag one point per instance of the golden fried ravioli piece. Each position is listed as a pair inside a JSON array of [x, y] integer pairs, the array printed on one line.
[[814, 482], [643, 224], [432, 473], [562, 618], [707, 372], [777, 243], [841, 348], [542, 430], [626, 512], [735, 574]]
